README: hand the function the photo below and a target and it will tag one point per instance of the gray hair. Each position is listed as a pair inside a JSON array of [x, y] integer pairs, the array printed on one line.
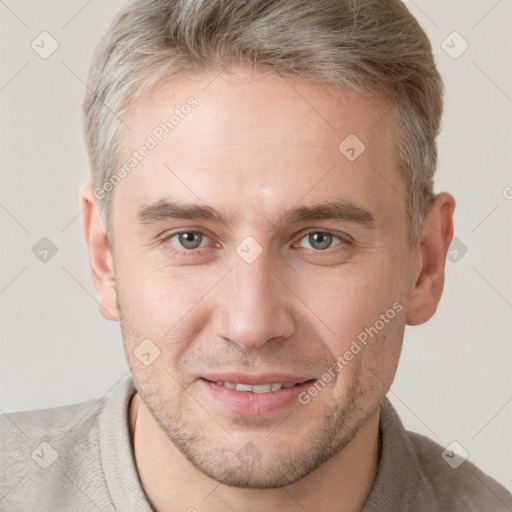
[[372, 46]]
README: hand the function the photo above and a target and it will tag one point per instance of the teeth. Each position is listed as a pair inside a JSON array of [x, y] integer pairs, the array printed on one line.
[[262, 388], [259, 388], [244, 387]]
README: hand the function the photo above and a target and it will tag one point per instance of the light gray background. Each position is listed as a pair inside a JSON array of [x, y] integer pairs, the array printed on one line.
[[454, 381]]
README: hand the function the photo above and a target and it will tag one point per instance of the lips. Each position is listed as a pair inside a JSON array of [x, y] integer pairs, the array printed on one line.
[[259, 388], [256, 380], [253, 395]]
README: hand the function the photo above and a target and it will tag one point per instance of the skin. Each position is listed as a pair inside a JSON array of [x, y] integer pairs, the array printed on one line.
[[254, 147]]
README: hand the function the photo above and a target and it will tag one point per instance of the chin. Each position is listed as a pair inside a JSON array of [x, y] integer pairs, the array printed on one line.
[[262, 462]]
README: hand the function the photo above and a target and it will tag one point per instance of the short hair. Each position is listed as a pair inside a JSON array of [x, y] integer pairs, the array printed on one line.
[[372, 46]]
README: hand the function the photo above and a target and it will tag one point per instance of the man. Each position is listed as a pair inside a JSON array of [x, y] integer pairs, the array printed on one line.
[[262, 223]]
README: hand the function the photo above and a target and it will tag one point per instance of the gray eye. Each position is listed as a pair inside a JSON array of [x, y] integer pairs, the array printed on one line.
[[189, 239], [320, 240]]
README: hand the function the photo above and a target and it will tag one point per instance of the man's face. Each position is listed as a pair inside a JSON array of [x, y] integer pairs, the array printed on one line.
[[269, 293]]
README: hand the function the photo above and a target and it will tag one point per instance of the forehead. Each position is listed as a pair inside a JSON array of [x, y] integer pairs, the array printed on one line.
[[249, 143]]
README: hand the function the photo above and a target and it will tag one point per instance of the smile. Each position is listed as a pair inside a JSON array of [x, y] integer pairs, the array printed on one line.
[[260, 388]]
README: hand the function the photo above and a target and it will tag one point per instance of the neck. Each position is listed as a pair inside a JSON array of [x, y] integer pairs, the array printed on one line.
[[171, 482]]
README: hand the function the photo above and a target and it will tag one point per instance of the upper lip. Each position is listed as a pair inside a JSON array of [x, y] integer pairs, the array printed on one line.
[[254, 380]]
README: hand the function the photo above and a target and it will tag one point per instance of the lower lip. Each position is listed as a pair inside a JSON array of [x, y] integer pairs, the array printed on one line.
[[254, 404]]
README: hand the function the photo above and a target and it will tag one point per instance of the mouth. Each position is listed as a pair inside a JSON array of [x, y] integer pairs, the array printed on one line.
[[254, 396], [270, 387]]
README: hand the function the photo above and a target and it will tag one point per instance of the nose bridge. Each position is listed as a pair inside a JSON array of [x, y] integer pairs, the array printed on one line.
[[255, 305]]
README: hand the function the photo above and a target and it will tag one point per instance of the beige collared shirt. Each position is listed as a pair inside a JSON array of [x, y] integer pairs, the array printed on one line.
[[79, 458]]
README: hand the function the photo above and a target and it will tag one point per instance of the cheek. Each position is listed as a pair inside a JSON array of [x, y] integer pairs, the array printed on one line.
[[160, 290], [369, 361], [351, 298], [164, 305], [361, 310]]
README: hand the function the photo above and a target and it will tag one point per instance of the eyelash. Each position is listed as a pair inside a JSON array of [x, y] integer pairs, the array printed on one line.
[[199, 251]]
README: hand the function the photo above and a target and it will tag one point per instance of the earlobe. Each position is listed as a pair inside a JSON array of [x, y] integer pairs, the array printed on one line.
[[101, 261], [437, 234], [420, 303]]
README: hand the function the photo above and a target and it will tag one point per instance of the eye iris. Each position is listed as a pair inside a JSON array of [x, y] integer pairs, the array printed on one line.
[[323, 239], [190, 240]]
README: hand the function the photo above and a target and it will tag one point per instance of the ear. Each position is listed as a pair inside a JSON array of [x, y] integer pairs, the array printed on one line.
[[436, 236], [101, 262]]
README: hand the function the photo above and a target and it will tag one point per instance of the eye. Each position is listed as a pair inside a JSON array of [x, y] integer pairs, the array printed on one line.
[[319, 240], [189, 240]]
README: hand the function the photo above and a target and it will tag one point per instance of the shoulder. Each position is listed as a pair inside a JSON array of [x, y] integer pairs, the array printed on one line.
[[48, 453], [55, 421], [64, 425], [455, 481]]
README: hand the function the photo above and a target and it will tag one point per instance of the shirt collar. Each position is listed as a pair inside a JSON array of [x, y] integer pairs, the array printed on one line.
[[399, 484], [121, 475]]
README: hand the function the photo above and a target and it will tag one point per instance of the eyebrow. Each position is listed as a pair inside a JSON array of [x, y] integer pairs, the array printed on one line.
[[341, 210]]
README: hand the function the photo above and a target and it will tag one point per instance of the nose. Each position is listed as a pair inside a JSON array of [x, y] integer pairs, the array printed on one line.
[[254, 305]]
